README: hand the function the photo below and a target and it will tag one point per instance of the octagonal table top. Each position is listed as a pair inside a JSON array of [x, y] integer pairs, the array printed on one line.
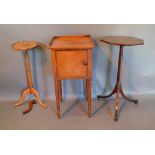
[[122, 40]]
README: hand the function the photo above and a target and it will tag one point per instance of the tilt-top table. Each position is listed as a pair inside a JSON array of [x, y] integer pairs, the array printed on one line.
[[121, 41]]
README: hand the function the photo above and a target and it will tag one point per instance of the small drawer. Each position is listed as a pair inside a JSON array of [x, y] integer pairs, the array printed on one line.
[[72, 63]]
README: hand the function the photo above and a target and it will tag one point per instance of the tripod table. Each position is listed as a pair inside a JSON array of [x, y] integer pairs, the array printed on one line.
[[120, 41], [25, 46]]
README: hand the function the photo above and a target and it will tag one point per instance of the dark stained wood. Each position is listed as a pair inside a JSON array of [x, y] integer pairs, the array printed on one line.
[[72, 59], [30, 106], [122, 40]]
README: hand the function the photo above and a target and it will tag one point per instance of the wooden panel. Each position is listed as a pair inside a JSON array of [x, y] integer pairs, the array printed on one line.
[[72, 64]]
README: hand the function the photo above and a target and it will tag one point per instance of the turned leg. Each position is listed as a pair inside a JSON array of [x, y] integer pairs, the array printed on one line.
[[88, 86], [86, 90], [22, 97], [116, 107], [57, 97], [60, 91]]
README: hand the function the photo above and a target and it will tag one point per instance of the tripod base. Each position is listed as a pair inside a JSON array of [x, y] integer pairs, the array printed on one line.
[[117, 91], [27, 91]]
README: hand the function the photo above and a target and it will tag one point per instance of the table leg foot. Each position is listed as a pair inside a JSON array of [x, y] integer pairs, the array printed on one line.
[[89, 114], [35, 93], [127, 98], [116, 118], [88, 86], [116, 108], [58, 113], [22, 97], [30, 106], [57, 95]]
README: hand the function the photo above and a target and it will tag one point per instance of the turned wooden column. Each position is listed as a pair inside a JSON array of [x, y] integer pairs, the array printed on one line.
[[28, 70]]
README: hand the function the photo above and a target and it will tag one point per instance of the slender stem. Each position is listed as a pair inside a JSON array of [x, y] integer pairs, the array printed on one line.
[[28, 70], [119, 69]]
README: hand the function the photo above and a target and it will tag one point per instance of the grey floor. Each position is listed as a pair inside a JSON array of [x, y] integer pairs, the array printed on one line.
[[74, 115]]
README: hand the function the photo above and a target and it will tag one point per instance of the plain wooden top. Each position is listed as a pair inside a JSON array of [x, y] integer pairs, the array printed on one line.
[[24, 45], [71, 42], [122, 40]]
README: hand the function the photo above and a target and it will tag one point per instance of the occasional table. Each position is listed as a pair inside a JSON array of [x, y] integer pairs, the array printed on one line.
[[72, 59], [121, 41], [25, 46]]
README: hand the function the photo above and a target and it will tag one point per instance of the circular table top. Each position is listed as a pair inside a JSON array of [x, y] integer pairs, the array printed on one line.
[[24, 45], [122, 40]]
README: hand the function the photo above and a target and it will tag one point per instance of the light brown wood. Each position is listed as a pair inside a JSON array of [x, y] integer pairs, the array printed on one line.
[[122, 40], [71, 42], [28, 70], [57, 94], [60, 91], [71, 64], [72, 59], [88, 81], [24, 46]]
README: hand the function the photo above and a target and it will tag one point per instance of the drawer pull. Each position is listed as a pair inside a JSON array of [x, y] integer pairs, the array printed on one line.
[[85, 62]]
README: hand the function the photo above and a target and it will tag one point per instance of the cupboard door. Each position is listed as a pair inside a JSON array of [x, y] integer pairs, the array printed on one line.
[[72, 64]]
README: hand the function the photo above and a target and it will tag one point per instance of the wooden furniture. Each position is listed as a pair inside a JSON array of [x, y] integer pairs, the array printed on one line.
[[72, 59], [121, 41], [26, 46]]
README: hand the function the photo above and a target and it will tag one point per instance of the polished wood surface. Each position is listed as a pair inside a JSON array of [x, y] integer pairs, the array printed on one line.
[[71, 42], [71, 64], [29, 90], [72, 59], [30, 106], [24, 45], [122, 40]]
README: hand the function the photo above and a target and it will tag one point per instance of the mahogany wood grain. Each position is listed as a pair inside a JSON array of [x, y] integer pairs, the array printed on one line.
[[120, 41]]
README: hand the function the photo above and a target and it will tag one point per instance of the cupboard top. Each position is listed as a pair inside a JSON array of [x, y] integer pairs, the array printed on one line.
[[71, 42]]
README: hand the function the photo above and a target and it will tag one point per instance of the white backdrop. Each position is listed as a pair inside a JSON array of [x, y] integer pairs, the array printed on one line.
[[138, 65]]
